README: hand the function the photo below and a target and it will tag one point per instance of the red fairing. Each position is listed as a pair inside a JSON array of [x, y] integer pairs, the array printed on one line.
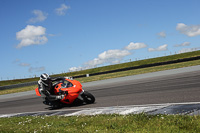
[[73, 92], [37, 92]]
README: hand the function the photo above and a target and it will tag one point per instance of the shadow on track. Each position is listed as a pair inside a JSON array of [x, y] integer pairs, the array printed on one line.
[[75, 104]]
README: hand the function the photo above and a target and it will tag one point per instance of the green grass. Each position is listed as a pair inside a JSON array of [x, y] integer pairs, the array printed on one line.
[[20, 89], [17, 81], [102, 123], [114, 75], [136, 63], [139, 71], [111, 67]]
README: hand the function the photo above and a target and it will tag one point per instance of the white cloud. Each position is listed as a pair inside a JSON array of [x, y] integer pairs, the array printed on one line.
[[72, 69], [52, 35], [36, 69], [94, 62], [185, 50], [133, 45], [191, 31], [183, 44], [24, 64], [113, 54], [31, 35], [162, 34], [39, 16], [160, 48], [16, 61], [62, 10], [110, 56]]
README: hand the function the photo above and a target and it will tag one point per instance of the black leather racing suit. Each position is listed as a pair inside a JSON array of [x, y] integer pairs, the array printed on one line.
[[47, 91]]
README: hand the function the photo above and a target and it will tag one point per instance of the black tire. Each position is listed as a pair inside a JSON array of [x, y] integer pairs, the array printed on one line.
[[88, 97]]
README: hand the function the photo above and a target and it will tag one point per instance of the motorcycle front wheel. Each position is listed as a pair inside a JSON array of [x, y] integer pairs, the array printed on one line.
[[88, 97]]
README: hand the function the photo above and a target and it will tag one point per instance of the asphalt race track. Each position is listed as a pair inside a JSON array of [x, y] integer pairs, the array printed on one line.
[[169, 88]]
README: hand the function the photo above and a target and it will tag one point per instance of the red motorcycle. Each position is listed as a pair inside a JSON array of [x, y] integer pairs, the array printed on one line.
[[72, 89]]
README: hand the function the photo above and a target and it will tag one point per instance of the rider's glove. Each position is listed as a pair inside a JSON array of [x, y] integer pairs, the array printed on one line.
[[60, 97]]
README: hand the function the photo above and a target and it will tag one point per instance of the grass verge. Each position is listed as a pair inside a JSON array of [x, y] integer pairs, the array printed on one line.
[[102, 123], [111, 67], [114, 75], [139, 71], [20, 89]]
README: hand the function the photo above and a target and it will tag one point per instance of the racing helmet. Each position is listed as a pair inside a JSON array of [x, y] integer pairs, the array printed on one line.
[[45, 79]]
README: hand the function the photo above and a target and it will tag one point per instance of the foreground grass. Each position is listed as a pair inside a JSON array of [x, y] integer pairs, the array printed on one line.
[[102, 123], [114, 75]]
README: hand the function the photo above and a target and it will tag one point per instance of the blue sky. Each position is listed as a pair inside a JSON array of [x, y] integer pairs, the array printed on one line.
[[55, 36]]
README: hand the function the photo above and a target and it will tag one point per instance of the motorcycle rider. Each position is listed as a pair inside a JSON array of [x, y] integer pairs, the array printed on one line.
[[45, 87]]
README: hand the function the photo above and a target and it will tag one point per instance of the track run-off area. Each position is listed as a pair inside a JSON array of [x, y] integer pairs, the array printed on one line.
[[170, 91]]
